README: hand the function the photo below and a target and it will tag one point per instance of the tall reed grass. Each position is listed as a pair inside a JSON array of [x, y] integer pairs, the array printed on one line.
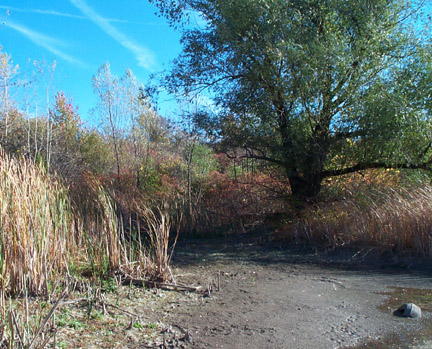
[[158, 228], [47, 237], [44, 234], [398, 218], [36, 226]]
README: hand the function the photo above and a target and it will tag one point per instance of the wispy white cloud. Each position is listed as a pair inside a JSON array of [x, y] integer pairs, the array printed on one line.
[[45, 41], [43, 12], [60, 14], [143, 55]]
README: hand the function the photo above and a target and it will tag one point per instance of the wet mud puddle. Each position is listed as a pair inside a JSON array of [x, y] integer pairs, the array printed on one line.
[[417, 338]]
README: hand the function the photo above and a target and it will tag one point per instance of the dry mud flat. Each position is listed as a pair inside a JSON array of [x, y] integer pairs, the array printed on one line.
[[296, 298]]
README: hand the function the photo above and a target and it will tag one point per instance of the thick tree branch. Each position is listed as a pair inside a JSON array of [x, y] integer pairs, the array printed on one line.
[[376, 165], [255, 156]]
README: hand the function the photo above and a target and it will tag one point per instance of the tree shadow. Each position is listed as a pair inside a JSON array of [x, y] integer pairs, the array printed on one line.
[[254, 249]]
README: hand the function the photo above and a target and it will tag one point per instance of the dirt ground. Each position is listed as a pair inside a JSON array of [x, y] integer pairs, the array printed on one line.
[[292, 297], [263, 296]]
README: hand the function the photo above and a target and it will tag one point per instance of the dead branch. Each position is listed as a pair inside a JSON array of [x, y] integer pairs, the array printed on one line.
[[161, 285]]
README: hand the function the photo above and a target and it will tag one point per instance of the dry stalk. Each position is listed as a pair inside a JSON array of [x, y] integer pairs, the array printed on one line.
[[398, 219], [158, 229]]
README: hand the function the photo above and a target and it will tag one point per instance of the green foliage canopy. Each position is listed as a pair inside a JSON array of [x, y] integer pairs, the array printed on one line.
[[319, 88]]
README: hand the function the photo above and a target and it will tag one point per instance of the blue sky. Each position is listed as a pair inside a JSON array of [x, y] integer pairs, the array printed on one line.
[[80, 35]]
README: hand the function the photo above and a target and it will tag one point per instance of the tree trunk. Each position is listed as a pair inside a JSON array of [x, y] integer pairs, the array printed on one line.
[[306, 179], [304, 189], [305, 171]]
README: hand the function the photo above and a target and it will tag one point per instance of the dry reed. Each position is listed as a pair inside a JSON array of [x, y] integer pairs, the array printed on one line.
[[46, 238], [400, 219], [36, 222], [158, 228]]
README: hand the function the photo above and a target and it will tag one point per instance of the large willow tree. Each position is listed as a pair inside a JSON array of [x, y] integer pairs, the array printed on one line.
[[319, 88]]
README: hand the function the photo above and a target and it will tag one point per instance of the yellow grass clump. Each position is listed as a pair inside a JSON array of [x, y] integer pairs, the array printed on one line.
[[398, 218], [47, 238], [45, 235], [36, 227]]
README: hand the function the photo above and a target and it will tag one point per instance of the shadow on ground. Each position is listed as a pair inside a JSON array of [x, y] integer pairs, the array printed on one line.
[[246, 248]]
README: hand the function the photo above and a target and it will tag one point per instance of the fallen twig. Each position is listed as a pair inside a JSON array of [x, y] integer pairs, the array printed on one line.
[[51, 312], [123, 310], [161, 285], [73, 301], [13, 322], [358, 253]]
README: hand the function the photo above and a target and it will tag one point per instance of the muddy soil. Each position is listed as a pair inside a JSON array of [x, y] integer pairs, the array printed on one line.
[[267, 296]]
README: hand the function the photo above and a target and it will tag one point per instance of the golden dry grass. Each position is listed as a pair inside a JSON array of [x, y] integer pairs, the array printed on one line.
[[36, 227], [400, 219], [44, 235], [46, 239]]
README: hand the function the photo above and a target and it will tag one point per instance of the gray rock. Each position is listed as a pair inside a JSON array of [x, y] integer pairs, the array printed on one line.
[[408, 310]]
